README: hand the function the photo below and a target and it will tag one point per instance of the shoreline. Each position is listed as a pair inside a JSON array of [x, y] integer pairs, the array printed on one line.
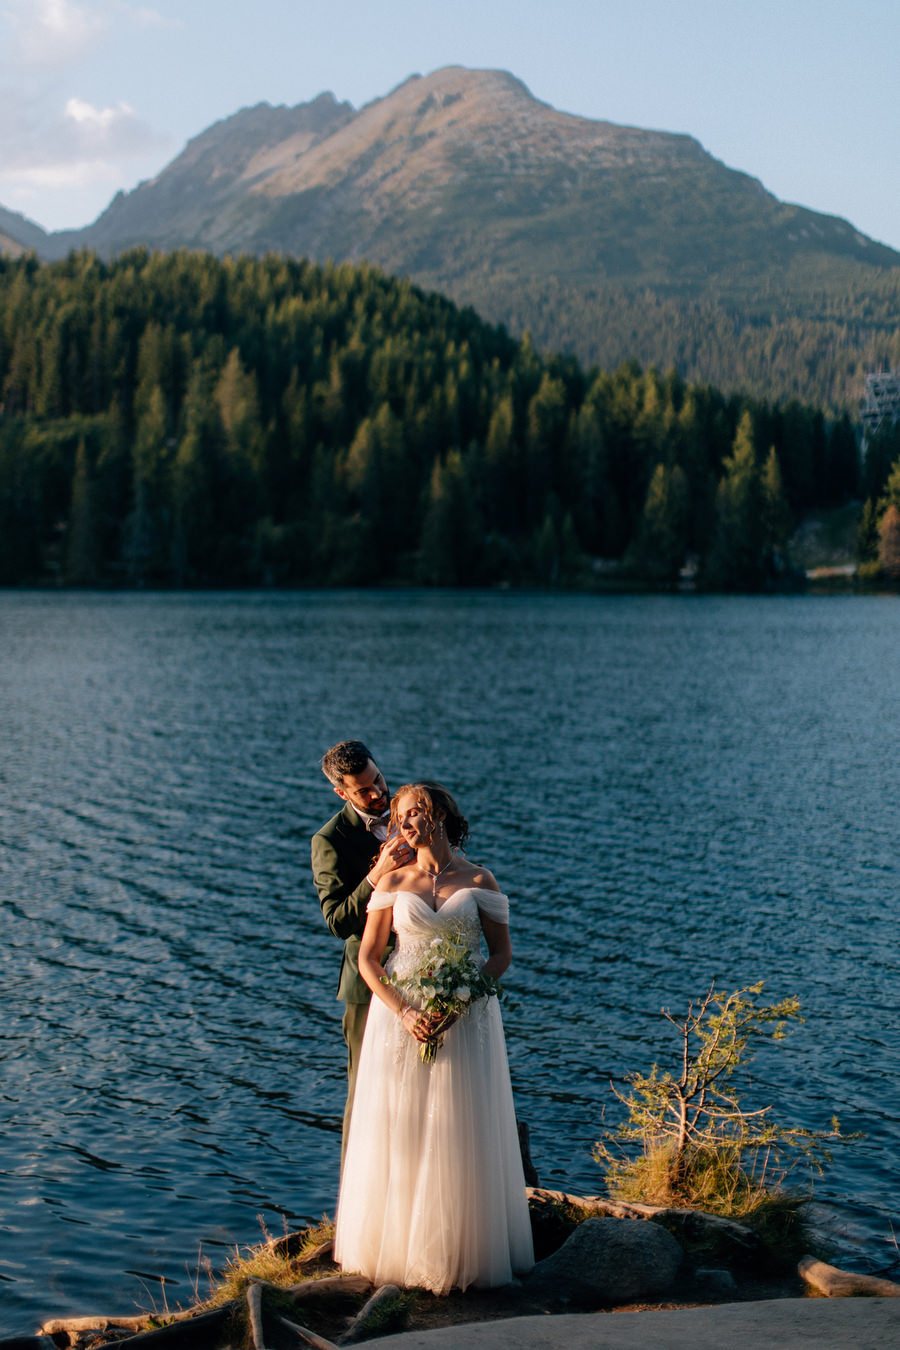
[[735, 1271]]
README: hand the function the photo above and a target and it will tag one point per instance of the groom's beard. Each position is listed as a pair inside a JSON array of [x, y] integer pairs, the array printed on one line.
[[376, 808]]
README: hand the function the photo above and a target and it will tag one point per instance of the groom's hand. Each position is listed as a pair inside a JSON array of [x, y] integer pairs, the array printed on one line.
[[395, 853]]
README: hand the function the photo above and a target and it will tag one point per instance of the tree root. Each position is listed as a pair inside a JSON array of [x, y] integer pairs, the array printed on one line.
[[833, 1283]]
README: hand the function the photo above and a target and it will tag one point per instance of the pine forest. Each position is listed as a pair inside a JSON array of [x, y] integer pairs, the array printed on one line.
[[176, 420]]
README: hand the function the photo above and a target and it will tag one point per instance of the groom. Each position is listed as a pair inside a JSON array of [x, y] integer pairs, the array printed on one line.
[[346, 868]]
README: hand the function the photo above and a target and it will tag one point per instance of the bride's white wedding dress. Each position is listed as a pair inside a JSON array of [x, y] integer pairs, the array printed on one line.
[[432, 1190]]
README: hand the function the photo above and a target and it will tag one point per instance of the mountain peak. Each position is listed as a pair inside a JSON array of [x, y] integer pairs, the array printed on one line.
[[464, 181], [463, 169]]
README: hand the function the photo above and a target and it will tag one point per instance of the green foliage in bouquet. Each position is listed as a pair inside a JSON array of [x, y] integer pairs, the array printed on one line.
[[444, 986]]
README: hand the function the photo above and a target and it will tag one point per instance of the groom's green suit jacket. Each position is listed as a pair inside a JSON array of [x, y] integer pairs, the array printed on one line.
[[342, 853]]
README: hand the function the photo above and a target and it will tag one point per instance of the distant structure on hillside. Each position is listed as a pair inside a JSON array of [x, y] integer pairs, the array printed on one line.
[[881, 404]]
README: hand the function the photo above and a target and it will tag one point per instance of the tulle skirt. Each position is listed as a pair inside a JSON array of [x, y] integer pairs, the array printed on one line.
[[432, 1192]]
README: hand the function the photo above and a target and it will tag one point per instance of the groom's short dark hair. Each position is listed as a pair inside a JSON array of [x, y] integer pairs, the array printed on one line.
[[345, 757]]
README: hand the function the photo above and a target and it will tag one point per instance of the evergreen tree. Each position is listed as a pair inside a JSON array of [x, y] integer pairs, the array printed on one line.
[[663, 536], [867, 538], [545, 550], [240, 466], [81, 541], [891, 494], [195, 540], [573, 561], [272, 418], [889, 544], [21, 556], [735, 561], [449, 549], [842, 465], [776, 516], [546, 426], [49, 401], [287, 464], [146, 535], [595, 509], [505, 502]]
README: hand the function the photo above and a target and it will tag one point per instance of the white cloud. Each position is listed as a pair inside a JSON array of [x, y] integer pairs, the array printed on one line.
[[101, 120], [53, 32], [55, 142], [145, 17], [63, 169], [59, 144]]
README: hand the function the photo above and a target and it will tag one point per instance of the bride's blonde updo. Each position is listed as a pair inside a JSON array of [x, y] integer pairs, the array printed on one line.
[[431, 798]]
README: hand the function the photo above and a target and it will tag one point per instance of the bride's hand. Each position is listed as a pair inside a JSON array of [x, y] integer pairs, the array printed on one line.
[[416, 1023], [426, 1026], [437, 1023]]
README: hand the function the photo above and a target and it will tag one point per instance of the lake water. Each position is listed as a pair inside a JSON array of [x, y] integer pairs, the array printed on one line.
[[672, 789]]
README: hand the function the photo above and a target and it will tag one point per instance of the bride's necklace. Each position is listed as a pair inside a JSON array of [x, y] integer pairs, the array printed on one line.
[[435, 876]]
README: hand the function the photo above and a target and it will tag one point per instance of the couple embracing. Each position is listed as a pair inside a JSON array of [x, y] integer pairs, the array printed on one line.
[[432, 1189]]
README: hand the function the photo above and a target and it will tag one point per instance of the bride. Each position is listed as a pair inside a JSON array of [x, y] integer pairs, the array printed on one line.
[[432, 1190]]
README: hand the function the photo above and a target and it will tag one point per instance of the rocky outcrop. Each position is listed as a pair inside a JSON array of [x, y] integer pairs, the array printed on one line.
[[609, 1261], [606, 1253], [554, 1215]]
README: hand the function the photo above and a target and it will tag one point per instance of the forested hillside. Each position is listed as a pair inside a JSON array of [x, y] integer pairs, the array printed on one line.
[[172, 419], [802, 333]]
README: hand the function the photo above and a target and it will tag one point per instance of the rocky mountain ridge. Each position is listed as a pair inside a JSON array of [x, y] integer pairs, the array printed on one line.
[[459, 163], [541, 219]]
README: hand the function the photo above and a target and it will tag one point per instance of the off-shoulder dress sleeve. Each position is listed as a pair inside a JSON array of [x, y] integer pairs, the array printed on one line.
[[494, 904], [380, 900]]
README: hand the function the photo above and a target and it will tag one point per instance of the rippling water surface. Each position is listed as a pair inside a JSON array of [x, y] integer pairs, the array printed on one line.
[[671, 789]]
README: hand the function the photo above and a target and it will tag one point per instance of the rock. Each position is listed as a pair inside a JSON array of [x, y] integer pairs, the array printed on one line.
[[187, 1333], [28, 1343], [724, 1239], [716, 1281], [609, 1261], [694, 1229]]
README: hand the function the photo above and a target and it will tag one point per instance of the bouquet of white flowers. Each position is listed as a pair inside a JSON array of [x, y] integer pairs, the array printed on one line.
[[444, 987]]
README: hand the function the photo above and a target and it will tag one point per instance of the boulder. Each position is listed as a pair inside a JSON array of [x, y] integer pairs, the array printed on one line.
[[609, 1261]]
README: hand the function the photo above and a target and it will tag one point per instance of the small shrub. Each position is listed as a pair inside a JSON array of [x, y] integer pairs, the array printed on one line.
[[697, 1146]]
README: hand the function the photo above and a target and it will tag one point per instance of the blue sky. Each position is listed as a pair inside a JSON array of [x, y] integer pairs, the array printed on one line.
[[96, 95]]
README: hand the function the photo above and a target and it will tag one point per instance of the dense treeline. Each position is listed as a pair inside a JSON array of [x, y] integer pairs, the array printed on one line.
[[171, 419]]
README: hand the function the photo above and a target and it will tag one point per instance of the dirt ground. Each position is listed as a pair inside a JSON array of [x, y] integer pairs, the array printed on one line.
[[425, 1311]]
